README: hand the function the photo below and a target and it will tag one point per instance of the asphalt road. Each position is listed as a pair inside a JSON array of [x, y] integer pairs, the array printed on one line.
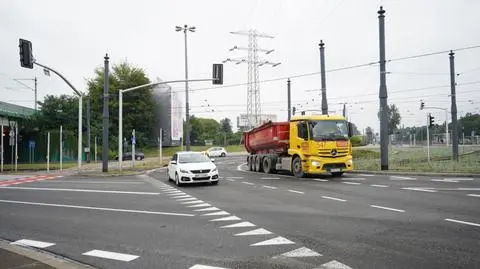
[[254, 220]]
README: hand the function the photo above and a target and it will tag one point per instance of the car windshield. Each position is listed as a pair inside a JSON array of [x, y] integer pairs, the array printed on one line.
[[328, 130], [192, 158]]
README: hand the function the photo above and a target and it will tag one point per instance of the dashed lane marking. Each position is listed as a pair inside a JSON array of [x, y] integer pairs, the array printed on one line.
[[111, 255], [365, 175], [235, 177], [200, 266], [32, 243], [301, 252], [463, 222], [200, 205], [269, 187], [333, 265], [379, 186], [334, 199], [274, 241], [473, 195], [193, 202], [229, 179], [248, 183], [459, 178], [229, 218], [351, 183], [207, 209], [294, 191], [269, 178], [94, 182], [260, 231], [218, 213], [444, 180], [401, 178], [388, 208], [419, 189], [320, 180], [98, 208], [81, 190], [354, 178]]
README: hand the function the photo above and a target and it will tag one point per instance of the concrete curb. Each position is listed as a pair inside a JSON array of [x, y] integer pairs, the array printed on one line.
[[408, 173], [42, 256]]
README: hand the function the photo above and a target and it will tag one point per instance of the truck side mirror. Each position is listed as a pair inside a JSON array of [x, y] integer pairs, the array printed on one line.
[[350, 129]]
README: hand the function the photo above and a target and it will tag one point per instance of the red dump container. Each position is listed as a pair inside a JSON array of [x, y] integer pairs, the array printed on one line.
[[271, 137]]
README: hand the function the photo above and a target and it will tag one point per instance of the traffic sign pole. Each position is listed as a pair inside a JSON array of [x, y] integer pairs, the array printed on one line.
[[133, 148]]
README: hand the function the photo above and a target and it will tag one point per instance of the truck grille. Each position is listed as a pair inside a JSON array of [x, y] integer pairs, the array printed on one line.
[[333, 153], [204, 171], [330, 166]]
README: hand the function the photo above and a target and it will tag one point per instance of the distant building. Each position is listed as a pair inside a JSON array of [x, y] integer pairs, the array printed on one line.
[[169, 115], [243, 123]]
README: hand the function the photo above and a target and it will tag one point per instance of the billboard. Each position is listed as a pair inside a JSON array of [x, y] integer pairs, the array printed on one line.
[[177, 117], [169, 115], [243, 122]]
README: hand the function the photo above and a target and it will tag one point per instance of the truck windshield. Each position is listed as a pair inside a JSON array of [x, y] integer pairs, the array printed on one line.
[[322, 130]]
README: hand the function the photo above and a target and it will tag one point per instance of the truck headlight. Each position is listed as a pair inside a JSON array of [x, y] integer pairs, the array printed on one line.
[[315, 163], [350, 162]]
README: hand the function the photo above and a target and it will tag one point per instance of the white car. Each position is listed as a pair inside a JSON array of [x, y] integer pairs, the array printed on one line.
[[192, 167], [217, 152]]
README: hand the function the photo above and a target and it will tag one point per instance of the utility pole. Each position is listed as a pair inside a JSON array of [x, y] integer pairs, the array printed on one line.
[[185, 29], [95, 149], [289, 100], [48, 152], [35, 90], [454, 107], [324, 83], [1, 150], [61, 147], [428, 137], [160, 138], [105, 116], [88, 129], [383, 94]]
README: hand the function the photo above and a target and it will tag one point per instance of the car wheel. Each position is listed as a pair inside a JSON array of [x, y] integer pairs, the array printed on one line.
[[297, 168], [177, 180], [223, 154], [215, 182]]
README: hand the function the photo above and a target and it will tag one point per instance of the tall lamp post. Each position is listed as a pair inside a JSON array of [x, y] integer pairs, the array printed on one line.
[[185, 29]]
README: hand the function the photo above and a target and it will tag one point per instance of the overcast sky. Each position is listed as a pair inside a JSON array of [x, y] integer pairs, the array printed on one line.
[[73, 37]]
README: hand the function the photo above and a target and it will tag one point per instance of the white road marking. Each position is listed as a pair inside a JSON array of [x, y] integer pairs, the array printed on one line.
[[235, 177], [401, 178], [459, 178], [229, 179], [419, 189], [269, 187], [181, 196], [186, 199], [352, 183], [365, 175], [200, 205], [174, 193], [248, 183], [444, 180], [269, 178], [379, 186], [94, 182], [333, 198], [468, 189], [32, 243], [207, 209], [218, 213], [354, 178], [319, 179], [98, 208], [474, 195], [239, 167], [274, 241], [81, 190], [260, 231], [294, 191], [333, 265], [111, 255], [301, 252], [463, 222], [229, 218], [193, 202], [388, 208], [200, 266]]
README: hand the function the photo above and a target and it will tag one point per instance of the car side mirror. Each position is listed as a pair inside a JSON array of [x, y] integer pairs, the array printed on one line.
[[213, 160], [350, 129], [173, 162]]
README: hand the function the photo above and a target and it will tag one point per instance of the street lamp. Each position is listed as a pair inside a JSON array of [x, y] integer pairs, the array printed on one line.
[[185, 29]]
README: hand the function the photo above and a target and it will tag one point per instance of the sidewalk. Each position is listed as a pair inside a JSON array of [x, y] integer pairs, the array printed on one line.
[[14, 256]]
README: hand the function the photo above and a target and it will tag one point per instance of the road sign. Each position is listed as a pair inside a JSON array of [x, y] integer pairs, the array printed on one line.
[[12, 138], [133, 140], [31, 144]]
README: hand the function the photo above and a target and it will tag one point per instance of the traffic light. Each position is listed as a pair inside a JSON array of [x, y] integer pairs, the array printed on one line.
[[26, 55], [430, 120], [217, 74], [422, 105]]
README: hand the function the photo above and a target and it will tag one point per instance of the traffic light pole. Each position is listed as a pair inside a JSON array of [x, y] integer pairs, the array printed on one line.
[[428, 138]]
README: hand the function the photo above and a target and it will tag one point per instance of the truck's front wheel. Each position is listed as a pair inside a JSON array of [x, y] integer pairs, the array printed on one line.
[[297, 168]]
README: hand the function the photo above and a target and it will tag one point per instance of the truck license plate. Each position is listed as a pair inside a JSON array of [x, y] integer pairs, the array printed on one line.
[[335, 170]]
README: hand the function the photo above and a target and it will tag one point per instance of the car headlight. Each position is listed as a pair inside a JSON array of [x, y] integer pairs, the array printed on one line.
[[315, 163], [214, 169], [184, 171]]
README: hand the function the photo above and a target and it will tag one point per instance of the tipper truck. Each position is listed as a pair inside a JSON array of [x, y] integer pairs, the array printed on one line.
[[307, 144]]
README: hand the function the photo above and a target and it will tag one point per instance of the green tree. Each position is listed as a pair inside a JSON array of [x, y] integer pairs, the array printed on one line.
[[369, 135], [138, 106], [204, 129], [226, 126], [58, 110], [394, 118]]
